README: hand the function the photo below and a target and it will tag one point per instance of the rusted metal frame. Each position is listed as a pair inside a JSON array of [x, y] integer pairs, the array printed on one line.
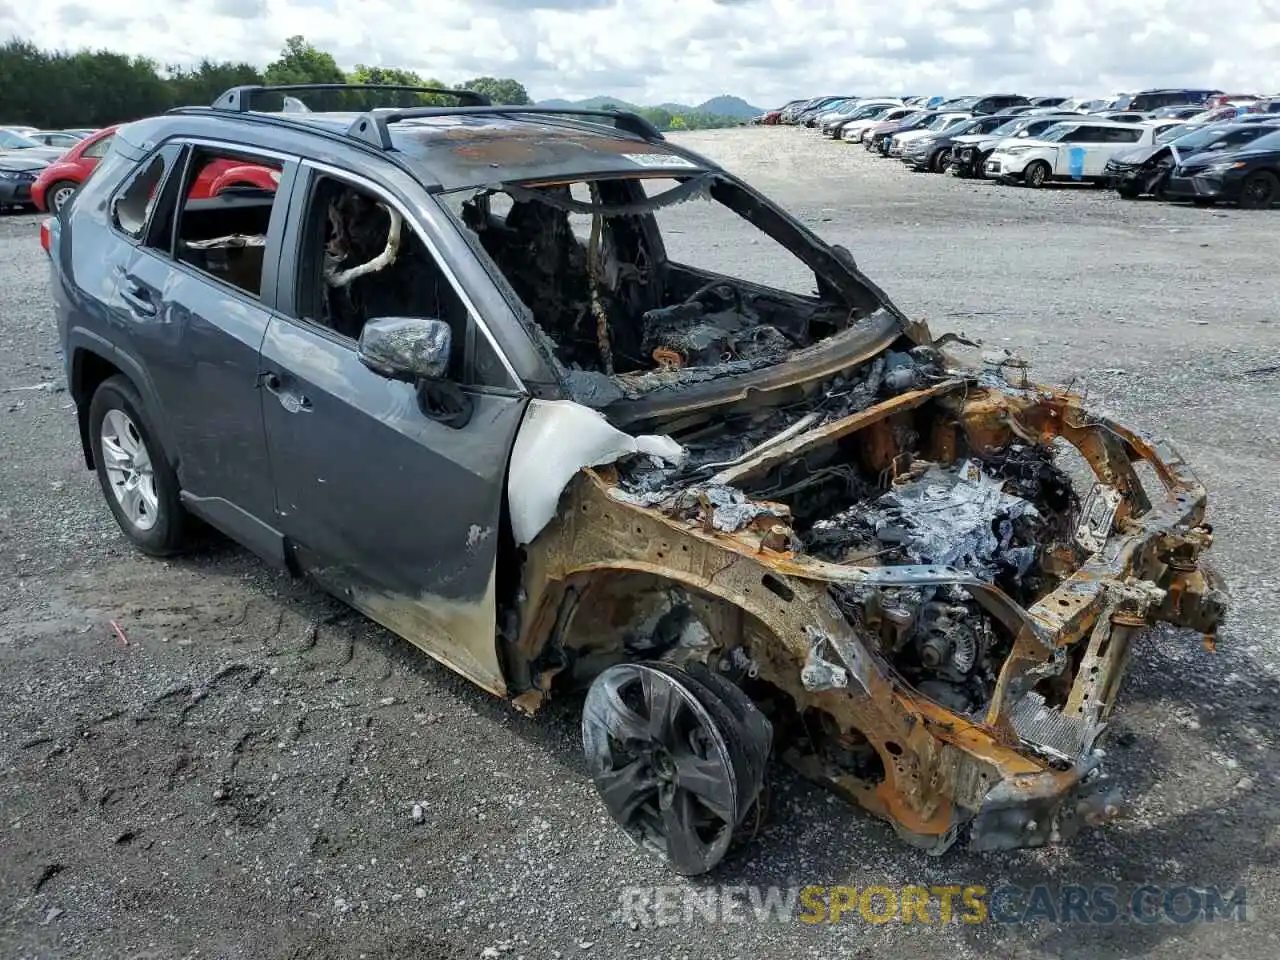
[[597, 540], [835, 430]]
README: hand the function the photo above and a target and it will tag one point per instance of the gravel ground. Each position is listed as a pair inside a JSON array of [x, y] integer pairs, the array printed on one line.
[[236, 776]]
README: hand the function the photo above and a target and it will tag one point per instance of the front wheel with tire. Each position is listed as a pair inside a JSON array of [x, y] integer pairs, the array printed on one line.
[[58, 194], [1128, 193], [938, 162], [678, 758], [137, 481], [1260, 191], [1036, 174]]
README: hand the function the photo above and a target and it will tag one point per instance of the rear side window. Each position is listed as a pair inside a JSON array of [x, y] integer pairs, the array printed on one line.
[[98, 149], [1126, 135], [132, 206], [1080, 135]]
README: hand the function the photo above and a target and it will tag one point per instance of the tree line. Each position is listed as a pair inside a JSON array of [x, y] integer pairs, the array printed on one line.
[[94, 88]]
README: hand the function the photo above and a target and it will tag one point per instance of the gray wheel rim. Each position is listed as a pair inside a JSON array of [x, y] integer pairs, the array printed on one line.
[[665, 774], [127, 463], [60, 197], [1260, 191]]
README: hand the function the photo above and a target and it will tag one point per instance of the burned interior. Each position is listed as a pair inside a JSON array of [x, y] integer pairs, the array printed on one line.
[[589, 261]]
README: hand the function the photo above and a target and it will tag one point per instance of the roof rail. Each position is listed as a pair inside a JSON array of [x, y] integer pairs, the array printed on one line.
[[372, 127], [238, 99]]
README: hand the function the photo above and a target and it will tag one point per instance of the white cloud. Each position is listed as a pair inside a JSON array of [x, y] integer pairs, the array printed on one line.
[[687, 50]]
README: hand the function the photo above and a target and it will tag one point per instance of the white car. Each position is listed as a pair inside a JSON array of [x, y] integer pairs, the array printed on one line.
[[940, 124], [855, 111], [1069, 150], [856, 130]]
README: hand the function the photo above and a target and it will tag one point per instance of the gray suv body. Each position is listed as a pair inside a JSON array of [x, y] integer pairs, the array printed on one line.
[[441, 360]]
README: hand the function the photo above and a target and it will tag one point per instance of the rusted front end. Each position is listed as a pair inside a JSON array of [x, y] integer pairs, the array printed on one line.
[[925, 691]]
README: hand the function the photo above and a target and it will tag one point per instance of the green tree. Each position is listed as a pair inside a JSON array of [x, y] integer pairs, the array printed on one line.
[[301, 62], [504, 90], [407, 78], [660, 117], [52, 89], [207, 81]]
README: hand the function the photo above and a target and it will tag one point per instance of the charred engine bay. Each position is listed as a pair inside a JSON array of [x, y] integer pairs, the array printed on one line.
[[894, 493]]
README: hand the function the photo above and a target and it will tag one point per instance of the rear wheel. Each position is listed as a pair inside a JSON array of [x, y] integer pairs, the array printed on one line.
[[1259, 191], [139, 485], [1036, 174], [58, 194], [678, 758]]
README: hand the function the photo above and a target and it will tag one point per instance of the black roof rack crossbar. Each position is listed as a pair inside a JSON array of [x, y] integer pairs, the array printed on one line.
[[371, 128], [238, 99]]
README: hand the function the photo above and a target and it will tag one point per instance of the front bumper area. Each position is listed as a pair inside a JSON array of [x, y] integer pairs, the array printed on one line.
[[16, 190], [1042, 808], [1201, 186], [1022, 767]]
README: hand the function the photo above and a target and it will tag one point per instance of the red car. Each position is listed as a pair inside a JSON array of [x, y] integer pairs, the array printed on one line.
[[58, 181]]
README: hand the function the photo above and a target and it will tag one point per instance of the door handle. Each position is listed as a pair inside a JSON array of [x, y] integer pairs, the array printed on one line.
[[291, 400], [139, 299]]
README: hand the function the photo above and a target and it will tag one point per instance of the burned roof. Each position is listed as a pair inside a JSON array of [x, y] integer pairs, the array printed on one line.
[[458, 151]]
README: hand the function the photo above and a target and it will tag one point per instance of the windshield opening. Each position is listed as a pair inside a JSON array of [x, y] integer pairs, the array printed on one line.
[[635, 275]]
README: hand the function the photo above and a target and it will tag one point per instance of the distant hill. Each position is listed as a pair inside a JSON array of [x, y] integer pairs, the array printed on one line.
[[723, 106], [729, 106], [592, 103]]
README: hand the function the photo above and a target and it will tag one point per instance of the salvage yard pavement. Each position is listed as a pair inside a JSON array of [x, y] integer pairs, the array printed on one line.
[[201, 755]]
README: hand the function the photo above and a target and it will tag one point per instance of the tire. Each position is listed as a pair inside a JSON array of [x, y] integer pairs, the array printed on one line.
[[58, 193], [1128, 193], [137, 481], [1036, 174], [938, 162], [1260, 191]]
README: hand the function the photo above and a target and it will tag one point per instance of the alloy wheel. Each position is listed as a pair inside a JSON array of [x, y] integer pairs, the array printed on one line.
[[58, 199], [670, 761], [129, 469]]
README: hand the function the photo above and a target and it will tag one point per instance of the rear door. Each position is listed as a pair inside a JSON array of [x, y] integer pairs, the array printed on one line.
[[382, 500], [199, 290], [1079, 152]]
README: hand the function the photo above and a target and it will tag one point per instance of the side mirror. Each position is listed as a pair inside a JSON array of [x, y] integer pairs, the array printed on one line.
[[406, 348]]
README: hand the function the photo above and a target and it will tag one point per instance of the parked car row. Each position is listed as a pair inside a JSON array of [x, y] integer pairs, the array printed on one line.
[[25, 153], [1199, 145], [37, 171]]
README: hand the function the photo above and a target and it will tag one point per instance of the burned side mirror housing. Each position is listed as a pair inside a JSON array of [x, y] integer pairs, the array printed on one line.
[[406, 348]]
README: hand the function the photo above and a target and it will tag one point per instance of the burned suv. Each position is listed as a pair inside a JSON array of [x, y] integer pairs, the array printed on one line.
[[503, 380]]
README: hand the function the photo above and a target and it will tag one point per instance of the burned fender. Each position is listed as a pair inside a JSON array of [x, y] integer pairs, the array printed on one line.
[[556, 440]]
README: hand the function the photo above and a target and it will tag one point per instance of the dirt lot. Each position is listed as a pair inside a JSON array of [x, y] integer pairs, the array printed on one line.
[[235, 776]]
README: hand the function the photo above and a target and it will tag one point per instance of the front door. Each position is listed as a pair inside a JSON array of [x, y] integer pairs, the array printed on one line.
[[397, 512]]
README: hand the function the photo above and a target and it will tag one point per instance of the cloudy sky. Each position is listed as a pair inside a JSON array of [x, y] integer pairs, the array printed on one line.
[[766, 51]]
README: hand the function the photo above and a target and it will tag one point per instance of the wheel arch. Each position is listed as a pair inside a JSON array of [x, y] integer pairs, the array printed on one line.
[[596, 613], [90, 363]]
